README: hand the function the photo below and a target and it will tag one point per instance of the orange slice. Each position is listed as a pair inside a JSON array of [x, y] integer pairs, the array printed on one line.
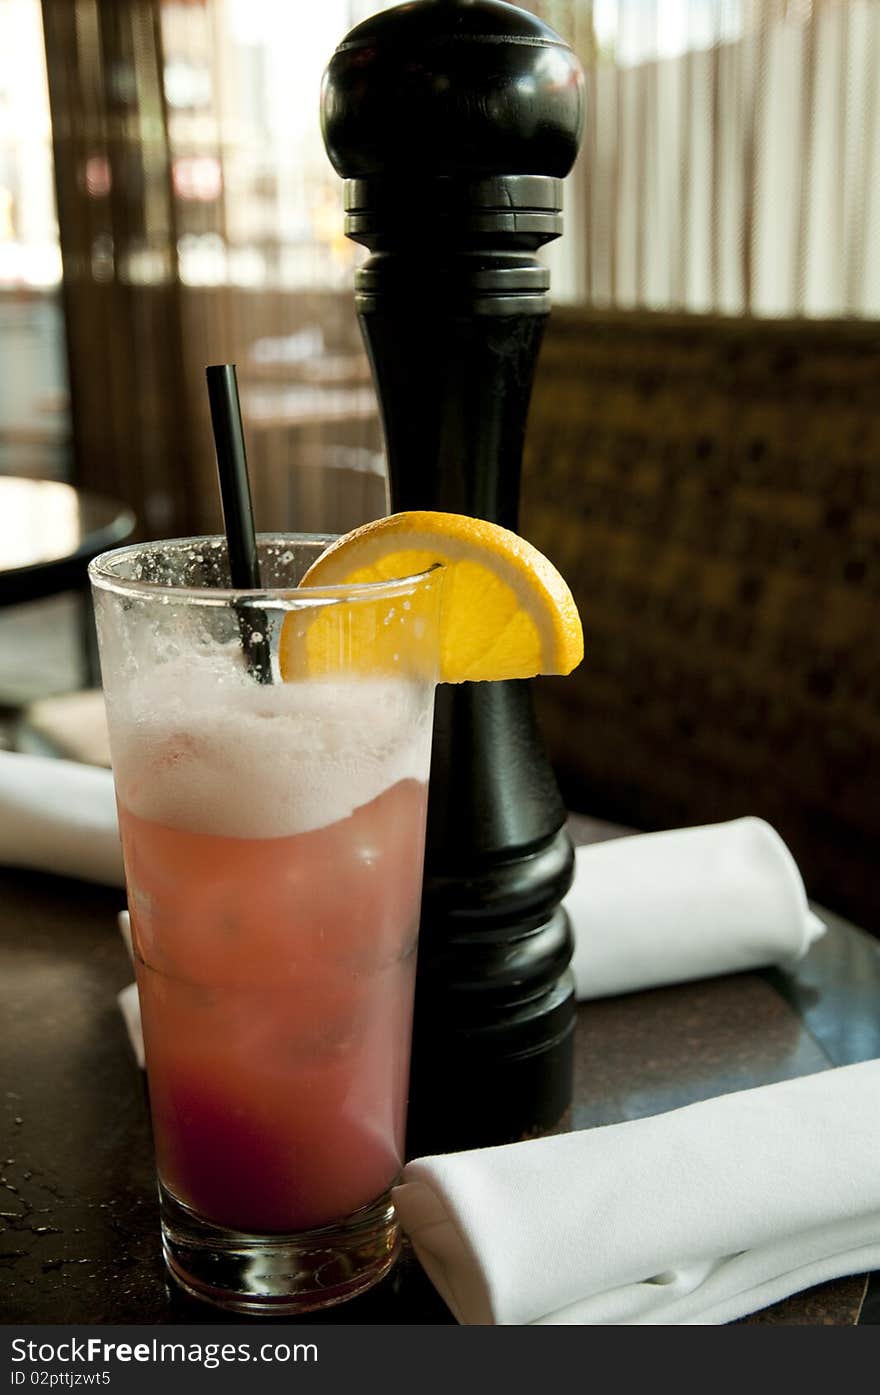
[[506, 612]]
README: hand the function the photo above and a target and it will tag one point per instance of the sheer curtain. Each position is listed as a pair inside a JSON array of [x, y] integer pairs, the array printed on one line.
[[731, 162]]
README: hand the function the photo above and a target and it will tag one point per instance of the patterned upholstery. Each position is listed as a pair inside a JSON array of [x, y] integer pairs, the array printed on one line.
[[711, 490]]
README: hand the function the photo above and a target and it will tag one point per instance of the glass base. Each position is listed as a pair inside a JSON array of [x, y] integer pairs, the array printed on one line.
[[278, 1274]]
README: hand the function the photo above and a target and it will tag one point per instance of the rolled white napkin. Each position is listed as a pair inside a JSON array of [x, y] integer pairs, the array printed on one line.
[[59, 816], [127, 998], [698, 1216], [667, 907], [129, 1006]]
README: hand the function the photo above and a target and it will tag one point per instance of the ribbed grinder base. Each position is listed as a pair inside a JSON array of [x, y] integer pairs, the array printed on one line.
[[493, 1064]]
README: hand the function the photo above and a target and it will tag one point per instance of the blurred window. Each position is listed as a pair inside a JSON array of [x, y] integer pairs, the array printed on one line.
[[258, 203], [34, 416]]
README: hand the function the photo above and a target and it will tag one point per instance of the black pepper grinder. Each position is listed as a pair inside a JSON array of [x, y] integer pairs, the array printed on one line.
[[453, 123]]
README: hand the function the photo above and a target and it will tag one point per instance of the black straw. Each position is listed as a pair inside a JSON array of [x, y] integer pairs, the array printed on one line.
[[238, 513]]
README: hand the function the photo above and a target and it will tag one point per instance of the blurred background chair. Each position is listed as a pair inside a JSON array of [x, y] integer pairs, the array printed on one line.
[[711, 490]]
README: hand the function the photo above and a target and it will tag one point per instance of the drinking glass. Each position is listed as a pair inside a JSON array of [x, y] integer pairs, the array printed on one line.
[[272, 814]]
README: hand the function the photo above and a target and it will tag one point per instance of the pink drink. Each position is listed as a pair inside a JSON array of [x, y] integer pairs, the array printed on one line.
[[276, 984], [276, 973], [273, 834]]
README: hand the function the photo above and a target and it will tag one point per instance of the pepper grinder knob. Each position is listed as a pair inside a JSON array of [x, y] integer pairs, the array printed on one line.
[[452, 87]]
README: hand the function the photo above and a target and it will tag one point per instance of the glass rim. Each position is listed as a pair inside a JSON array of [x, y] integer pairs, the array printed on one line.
[[271, 597]]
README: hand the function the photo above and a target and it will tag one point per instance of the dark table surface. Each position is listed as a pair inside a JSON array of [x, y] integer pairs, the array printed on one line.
[[78, 1212], [51, 532]]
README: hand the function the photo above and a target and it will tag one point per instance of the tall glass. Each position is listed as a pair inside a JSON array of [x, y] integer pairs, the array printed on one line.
[[273, 837]]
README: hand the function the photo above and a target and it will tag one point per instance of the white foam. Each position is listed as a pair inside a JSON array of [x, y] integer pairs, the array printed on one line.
[[199, 748]]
